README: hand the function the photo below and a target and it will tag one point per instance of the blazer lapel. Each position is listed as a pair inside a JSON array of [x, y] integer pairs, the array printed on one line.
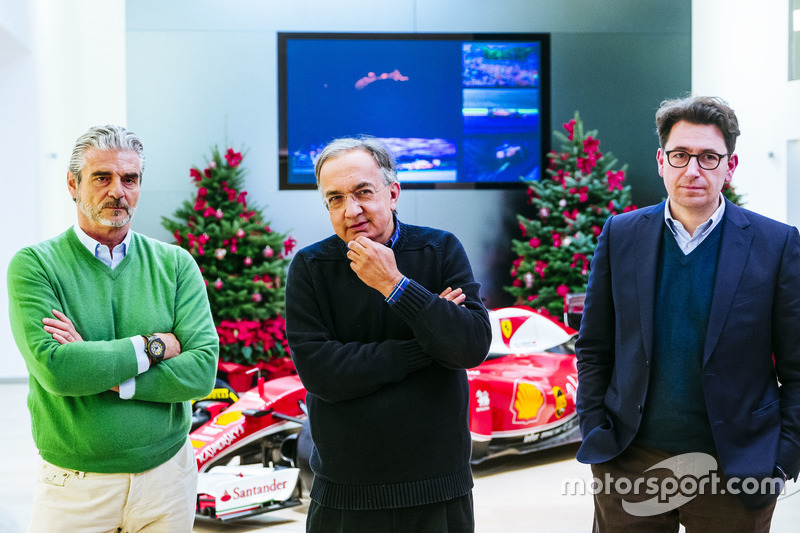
[[648, 239], [733, 251]]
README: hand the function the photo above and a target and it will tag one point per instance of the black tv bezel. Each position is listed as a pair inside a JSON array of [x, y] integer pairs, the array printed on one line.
[[544, 114]]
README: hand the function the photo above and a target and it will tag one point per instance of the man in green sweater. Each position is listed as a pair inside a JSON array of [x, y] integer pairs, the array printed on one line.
[[118, 337]]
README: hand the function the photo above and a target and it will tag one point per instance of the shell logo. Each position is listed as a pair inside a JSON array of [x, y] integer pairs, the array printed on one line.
[[528, 402]]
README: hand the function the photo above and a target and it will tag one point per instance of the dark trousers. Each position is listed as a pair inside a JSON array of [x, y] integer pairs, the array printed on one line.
[[452, 516], [699, 507]]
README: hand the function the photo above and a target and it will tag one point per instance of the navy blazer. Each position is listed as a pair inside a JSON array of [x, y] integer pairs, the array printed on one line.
[[755, 313]]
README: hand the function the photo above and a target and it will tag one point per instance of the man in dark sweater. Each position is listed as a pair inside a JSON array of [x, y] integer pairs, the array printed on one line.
[[689, 351], [382, 319]]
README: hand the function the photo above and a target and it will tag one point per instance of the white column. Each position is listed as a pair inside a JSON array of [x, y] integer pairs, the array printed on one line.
[[62, 69]]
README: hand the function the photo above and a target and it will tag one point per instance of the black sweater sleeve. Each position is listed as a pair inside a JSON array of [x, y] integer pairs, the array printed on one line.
[[455, 336], [334, 370]]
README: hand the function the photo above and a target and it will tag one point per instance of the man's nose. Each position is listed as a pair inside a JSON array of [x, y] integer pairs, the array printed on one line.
[[693, 168], [352, 207], [115, 190]]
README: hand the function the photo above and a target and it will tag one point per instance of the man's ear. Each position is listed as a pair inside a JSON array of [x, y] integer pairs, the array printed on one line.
[[660, 156], [733, 162], [394, 192], [72, 185]]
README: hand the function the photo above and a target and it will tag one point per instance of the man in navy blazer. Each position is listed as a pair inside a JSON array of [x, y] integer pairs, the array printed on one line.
[[689, 346]]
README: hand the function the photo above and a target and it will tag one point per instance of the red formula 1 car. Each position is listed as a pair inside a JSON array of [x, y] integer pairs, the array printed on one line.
[[252, 451], [246, 448], [523, 395]]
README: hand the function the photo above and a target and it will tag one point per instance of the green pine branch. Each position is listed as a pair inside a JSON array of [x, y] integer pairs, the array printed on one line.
[[242, 259], [583, 187]]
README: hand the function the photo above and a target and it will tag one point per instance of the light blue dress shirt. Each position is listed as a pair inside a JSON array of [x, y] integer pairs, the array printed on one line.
[[112, 258], [686, 242]]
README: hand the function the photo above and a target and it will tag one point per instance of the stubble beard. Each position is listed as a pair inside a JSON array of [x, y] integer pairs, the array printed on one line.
[[96, 212]]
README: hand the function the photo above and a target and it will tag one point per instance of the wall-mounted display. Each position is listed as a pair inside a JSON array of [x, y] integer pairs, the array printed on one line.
[[457, 110]]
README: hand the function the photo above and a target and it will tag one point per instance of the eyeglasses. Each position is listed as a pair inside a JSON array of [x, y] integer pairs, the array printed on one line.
[[362, 197], [706, 160]]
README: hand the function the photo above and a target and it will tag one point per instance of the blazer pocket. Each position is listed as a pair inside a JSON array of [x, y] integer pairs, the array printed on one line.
[[611, 399], [746, 295], [766, 409]]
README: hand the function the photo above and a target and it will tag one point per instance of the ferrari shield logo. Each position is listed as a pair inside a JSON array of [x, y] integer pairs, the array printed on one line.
[[507, 328]]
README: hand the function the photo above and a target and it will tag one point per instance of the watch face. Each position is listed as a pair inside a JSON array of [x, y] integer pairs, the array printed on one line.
[[157, 348]]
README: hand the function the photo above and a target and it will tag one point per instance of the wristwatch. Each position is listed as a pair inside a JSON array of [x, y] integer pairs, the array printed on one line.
[[155, 349]]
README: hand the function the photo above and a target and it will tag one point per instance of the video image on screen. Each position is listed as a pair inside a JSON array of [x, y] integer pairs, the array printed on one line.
[[454, 110]]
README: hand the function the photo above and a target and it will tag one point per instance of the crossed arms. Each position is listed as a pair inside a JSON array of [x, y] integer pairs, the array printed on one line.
[[92, 353]]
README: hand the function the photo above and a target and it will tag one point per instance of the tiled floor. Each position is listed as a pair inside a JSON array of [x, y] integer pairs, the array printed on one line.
[[513, 494]]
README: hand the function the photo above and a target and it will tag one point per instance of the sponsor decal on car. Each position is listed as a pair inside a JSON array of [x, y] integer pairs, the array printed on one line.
[[226, 440], [560, 400], [508, 326], [572, 387], [221, 393], [528, 402], [227, 418], [245, 493], [552, 432], [482, 398]]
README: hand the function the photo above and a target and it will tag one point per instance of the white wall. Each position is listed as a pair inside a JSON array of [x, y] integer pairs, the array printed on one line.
[[204, 73], [62, 69], [742, 55], [18, 151]]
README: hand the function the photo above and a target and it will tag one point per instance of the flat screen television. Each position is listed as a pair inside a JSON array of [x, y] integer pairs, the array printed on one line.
[[457, 110]]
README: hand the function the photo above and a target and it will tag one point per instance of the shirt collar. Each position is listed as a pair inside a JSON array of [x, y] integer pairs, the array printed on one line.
[[393, 239], [94, 246], [703, 228]]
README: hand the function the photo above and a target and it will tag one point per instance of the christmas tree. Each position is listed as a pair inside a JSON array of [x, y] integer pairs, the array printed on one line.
[[571, 204], [729, 192], [243, 262]]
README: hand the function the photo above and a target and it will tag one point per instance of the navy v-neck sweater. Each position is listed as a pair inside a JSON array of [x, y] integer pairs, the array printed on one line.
[[675, 418]]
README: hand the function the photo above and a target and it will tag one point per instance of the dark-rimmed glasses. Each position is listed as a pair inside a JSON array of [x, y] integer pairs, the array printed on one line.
[[706, 160]]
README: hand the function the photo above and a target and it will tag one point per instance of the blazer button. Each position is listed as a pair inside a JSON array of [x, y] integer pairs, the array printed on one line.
[[639, 407]]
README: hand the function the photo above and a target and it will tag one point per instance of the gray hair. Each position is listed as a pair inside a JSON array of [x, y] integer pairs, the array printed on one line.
[[383, 157], [108, 137], [702, 110]]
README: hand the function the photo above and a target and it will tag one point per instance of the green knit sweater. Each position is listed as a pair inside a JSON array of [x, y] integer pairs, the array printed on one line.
[[78, 423]]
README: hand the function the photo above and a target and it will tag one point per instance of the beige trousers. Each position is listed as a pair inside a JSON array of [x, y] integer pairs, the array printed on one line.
[[161, 500]]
